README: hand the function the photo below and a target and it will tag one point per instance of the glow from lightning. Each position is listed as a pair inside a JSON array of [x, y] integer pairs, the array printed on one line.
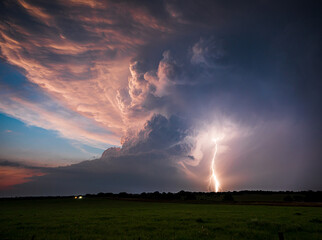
[[213, 181]]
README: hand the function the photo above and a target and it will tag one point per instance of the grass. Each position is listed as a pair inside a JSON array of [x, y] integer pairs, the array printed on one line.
[[115, 219]]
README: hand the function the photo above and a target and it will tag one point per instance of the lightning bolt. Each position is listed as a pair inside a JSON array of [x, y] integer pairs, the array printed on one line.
[[213, 181]]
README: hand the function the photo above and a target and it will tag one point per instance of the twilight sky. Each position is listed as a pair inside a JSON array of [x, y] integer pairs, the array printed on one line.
[[110, 96]]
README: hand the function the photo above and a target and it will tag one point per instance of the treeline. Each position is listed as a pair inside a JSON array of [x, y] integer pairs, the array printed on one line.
[[240, 196]]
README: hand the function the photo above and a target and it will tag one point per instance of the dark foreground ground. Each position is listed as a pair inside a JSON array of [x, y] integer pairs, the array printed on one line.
[[102, 218]]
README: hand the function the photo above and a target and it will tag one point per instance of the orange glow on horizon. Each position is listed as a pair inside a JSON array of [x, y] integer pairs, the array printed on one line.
[[10, 176]]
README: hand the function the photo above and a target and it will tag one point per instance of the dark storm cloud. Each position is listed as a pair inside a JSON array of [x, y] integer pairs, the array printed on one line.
[[159, 133], [146, 162], [192, 65], [8, 163], [131, 173]]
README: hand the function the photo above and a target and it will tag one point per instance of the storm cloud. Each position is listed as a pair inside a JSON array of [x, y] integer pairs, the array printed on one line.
[[158, 80]]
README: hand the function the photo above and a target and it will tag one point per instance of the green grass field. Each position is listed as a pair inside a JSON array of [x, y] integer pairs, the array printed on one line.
[[96, 218]]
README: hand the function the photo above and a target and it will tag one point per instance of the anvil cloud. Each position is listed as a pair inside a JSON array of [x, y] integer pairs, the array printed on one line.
[[159, 78]]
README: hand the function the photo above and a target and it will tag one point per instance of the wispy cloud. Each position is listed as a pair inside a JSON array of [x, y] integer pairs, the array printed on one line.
[[66, 123], [81, 63]]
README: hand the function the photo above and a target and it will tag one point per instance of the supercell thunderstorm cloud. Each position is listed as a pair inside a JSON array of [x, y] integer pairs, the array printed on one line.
[[181, 95]]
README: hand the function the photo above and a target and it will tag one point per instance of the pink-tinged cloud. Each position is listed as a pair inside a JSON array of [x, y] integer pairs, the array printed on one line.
[[35, 11], [82, 71]]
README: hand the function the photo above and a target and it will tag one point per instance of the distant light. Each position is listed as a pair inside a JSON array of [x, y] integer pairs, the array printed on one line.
[[75, 197], [80, 197]]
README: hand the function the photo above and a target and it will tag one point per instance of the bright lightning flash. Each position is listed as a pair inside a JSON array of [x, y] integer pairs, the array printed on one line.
[[213, 181]]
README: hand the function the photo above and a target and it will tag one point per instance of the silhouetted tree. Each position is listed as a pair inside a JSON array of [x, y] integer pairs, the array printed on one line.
[[228, 197], [288, 198]]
